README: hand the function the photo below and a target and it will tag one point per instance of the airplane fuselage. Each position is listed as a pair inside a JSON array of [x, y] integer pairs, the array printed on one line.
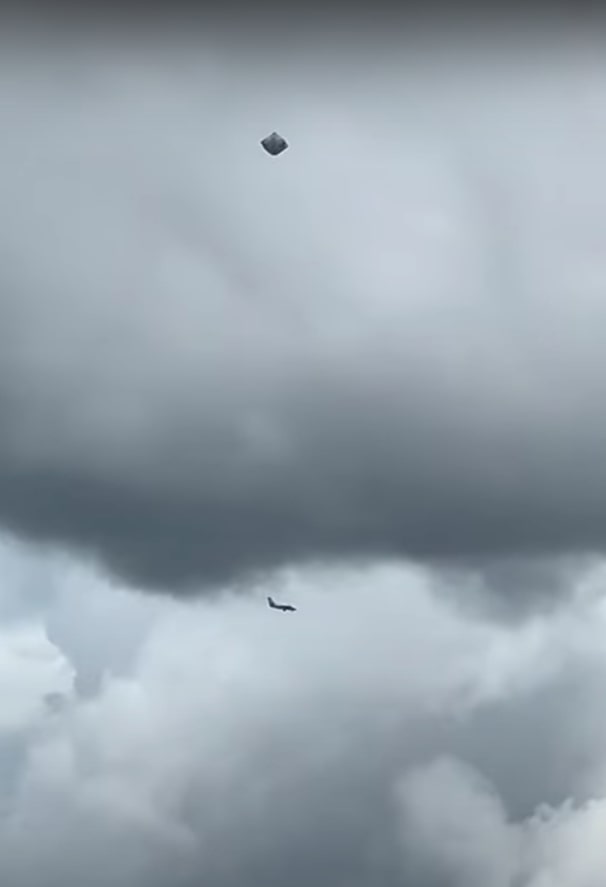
[[284, 608]]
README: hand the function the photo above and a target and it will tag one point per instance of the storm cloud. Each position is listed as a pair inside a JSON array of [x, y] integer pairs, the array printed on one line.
[[386, 342]]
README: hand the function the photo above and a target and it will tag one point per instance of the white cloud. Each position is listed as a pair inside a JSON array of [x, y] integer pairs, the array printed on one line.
[[456, 825], [455, 828], [234, 740], [30, 669]]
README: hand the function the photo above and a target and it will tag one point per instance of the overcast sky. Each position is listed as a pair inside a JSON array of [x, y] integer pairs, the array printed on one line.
[[368, 377]]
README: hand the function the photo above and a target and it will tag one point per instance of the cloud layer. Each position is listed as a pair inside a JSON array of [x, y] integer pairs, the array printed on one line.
[[380, 737], [386, 341], [335, 377]]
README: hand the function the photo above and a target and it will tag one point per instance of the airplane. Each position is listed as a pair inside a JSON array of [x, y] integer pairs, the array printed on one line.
[[286, 608]]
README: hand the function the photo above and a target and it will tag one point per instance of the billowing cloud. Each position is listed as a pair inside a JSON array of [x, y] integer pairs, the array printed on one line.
[[387, 341], [456, 831], [456, 827], [379, 737]]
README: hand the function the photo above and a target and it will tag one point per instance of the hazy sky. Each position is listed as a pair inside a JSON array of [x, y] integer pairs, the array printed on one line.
[[367, 376]]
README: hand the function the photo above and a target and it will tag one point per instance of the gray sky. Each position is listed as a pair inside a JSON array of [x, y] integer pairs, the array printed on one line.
[[386, 341], [365, 377]]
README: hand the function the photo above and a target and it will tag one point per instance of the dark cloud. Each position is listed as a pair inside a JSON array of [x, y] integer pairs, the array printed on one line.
[[385, 342]]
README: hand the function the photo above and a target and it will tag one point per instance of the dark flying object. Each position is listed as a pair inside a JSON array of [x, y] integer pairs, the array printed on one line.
[[274, 144], [286, 608]]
